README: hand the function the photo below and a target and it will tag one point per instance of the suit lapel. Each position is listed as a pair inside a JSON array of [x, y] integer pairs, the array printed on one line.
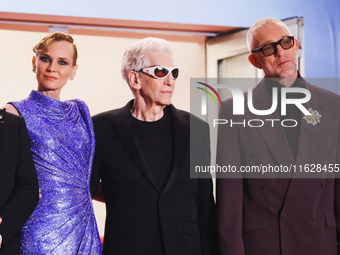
[[181, 133], [127, 136], [307, 137], [274, 137], [2, 127]]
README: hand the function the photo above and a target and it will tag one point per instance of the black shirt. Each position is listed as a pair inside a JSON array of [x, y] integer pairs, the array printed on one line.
[[156, 142], [292, 112]]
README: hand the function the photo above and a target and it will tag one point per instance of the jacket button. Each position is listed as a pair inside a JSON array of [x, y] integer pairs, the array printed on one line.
[[313, 216], [161, 201], [283, 216]]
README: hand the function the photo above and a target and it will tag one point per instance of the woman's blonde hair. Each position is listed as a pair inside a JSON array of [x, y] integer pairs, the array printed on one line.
[[56, 37]]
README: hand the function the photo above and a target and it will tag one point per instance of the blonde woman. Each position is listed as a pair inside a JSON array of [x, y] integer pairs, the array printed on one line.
[[62, 144]]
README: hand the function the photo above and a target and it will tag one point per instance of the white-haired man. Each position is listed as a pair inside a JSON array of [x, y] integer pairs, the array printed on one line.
[[286, 215], [143, 151]]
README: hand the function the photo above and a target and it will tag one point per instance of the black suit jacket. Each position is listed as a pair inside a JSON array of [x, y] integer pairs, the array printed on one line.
[[280, 216], [19, 192], [141, 219]]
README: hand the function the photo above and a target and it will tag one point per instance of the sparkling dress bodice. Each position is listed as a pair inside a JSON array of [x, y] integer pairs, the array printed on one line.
[[62, 145]]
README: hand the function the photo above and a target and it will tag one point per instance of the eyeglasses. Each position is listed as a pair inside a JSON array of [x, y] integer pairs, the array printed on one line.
[[271, 48], [160, 71]]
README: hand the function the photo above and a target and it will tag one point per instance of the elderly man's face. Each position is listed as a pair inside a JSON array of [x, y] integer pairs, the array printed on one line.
[[158, 91], [283, 64]]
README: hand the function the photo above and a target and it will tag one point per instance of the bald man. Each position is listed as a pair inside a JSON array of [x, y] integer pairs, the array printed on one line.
[[280, 216]]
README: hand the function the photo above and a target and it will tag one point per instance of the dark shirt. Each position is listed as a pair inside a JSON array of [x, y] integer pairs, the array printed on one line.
[[292, 112], [156, 142]]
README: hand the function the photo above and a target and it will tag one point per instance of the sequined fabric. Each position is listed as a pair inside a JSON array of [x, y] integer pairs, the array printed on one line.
[[62, 144]]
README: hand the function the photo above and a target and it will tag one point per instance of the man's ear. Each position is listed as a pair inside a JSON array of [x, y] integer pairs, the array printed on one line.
[[34, 66], [134, 80], [253, 61], [296, 44]]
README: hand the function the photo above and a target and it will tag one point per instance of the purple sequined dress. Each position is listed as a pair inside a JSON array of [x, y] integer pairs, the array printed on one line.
[[62, 144]]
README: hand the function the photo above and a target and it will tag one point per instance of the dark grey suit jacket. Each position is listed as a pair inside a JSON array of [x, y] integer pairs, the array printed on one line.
[[19, 191], [280, 216]]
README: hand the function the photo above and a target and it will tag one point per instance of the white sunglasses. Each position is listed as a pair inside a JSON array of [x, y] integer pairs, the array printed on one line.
[[160, 71]]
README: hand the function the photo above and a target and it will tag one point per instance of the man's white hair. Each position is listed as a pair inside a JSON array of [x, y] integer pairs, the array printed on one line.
[[257, 25], [136, 55]]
